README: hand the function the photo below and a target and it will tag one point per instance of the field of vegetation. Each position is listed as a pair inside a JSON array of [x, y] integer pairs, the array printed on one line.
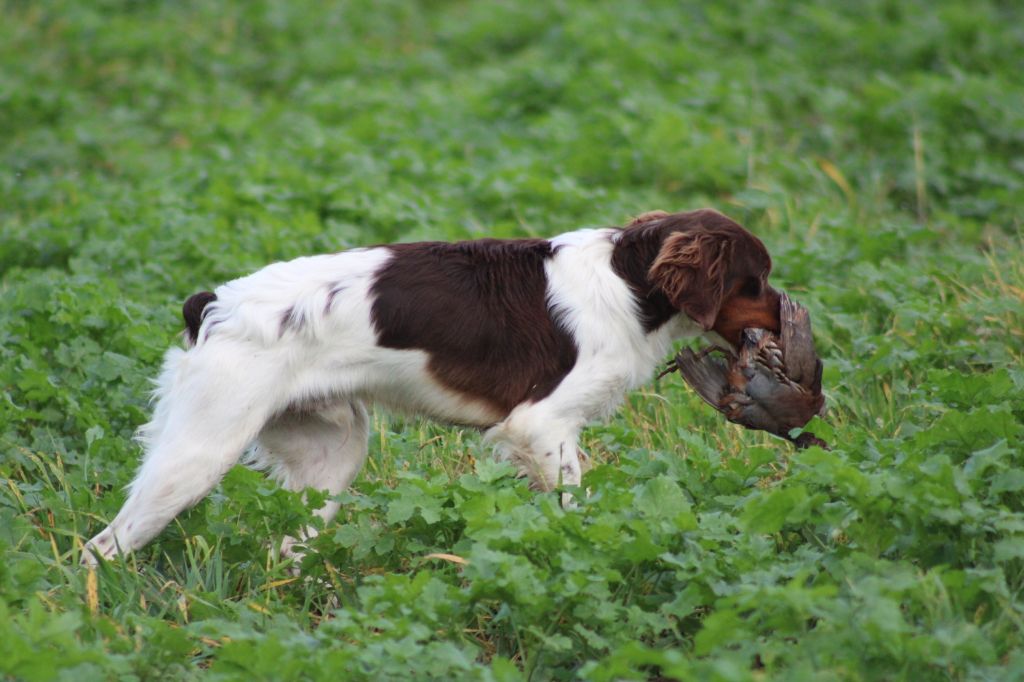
[[149, 150]]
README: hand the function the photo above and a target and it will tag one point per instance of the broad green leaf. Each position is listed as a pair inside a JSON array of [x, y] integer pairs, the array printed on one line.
[[767, 511]]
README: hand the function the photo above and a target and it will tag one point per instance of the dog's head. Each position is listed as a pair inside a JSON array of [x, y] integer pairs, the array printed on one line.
[[715, 272]]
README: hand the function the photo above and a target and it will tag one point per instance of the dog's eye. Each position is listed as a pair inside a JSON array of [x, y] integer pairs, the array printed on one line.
[[751, 288]]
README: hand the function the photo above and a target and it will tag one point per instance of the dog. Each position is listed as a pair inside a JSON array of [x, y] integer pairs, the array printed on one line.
[[526, 339]]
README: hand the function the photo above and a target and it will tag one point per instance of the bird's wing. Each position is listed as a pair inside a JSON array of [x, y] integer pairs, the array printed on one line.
[[797, 341], [706, 374]]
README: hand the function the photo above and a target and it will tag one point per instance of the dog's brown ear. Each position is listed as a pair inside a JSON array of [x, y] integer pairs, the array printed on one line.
[[690, 269]]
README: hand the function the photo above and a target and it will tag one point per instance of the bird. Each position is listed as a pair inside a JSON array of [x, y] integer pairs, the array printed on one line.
[[773, 382]]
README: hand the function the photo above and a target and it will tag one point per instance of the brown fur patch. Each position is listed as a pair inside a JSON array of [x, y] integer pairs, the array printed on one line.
[[479, 309], [739, 312]]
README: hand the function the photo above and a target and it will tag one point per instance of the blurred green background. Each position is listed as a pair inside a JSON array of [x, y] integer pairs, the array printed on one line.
[[149, 150]]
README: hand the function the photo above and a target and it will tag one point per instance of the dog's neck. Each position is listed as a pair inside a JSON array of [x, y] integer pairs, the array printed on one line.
[[636, 247]]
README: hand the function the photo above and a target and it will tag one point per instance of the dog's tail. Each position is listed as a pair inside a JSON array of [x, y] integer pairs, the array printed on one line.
[[193, 311]]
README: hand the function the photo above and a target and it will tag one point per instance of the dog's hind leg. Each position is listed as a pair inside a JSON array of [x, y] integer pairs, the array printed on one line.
[[210, 405], [321, 447]]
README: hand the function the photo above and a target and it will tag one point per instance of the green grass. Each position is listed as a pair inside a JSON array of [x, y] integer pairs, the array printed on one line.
[[149, 150]]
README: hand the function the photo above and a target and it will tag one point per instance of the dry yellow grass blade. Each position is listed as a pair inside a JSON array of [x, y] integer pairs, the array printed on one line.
[[836, 175], [258, 608], [454, 558], [92, 592]]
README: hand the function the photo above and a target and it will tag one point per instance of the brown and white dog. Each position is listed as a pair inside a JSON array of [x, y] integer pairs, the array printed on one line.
[[528, 339]]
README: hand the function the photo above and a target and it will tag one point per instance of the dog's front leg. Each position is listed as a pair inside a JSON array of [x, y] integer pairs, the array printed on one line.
[[546, 450]]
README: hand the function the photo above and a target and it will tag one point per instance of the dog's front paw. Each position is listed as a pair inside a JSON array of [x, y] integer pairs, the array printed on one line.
[[102, 546]]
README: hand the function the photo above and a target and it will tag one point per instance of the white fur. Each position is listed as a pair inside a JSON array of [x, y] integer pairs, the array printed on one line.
[[293, 388]]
